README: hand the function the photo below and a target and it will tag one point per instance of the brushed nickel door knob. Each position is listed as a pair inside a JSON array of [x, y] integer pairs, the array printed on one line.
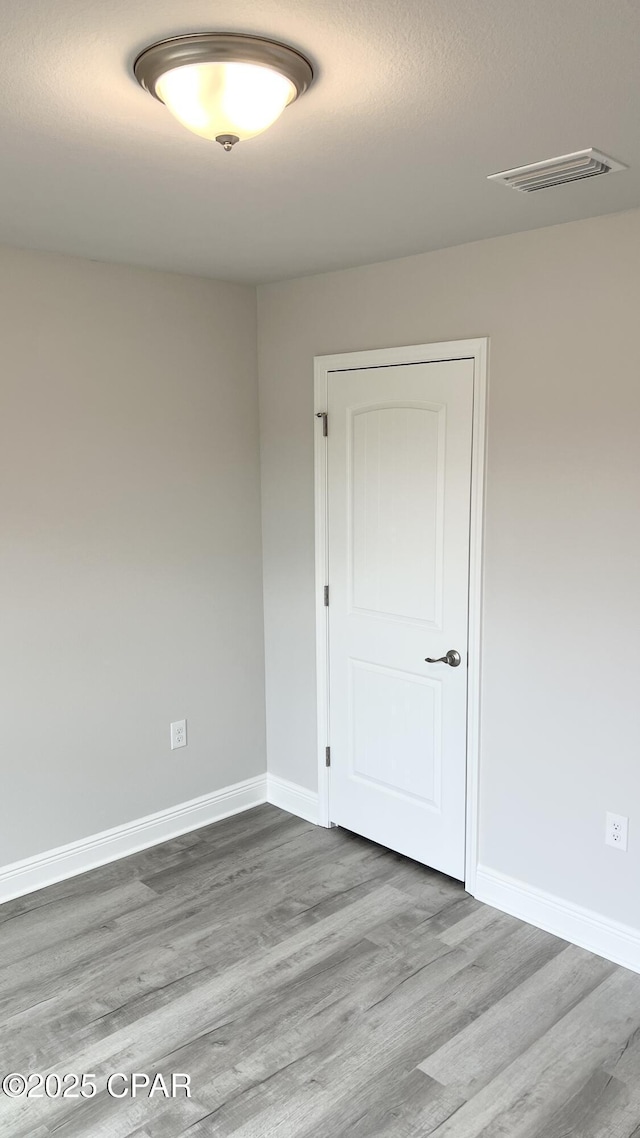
[[452, 658]]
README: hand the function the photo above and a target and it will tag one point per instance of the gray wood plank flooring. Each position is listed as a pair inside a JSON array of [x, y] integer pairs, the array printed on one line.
[[312, 984]]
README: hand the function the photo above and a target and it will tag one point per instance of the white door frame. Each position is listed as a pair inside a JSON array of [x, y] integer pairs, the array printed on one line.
[[478, 351]]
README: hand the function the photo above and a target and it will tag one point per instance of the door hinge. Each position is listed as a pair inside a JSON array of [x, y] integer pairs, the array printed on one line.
[[327, 756], [323, 415], [326, 596]]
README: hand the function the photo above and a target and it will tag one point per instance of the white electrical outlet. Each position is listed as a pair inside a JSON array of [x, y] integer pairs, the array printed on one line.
[[178, 734], [617, 831]]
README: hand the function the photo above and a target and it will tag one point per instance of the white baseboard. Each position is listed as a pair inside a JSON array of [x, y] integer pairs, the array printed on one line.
[[66, 861], [583, 927], [293, 798]]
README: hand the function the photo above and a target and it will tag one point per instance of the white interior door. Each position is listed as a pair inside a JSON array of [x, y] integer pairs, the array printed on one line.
[[398, 482]]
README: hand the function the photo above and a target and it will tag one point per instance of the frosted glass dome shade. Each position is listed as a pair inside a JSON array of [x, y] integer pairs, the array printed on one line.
[[223, 85], [219, 99]]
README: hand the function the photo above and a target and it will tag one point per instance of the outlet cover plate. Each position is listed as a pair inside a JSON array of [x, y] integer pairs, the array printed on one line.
[[617, 831], [178, 734]]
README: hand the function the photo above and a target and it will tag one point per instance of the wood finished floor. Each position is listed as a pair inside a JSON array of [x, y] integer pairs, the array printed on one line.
[[311, 984]]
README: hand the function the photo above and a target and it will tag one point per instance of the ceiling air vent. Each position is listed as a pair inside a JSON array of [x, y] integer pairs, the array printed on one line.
[[557, 171]]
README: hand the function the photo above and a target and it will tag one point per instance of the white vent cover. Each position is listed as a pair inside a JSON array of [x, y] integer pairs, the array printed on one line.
[[557, 171]]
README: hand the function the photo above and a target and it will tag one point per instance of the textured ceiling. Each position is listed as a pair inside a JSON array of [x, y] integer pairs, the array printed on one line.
[[416, 101]]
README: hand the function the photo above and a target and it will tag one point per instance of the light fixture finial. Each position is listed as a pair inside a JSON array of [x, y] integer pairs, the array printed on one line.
[[227, 141]]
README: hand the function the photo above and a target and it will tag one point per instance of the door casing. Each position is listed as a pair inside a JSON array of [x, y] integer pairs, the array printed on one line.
[[478, 351]]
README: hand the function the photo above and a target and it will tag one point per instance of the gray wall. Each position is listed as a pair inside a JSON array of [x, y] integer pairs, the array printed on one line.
[[561, 665], [130, 578]]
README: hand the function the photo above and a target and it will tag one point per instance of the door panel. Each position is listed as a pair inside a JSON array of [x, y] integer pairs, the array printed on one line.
[[399, 472], [396, 725], [394, 564]]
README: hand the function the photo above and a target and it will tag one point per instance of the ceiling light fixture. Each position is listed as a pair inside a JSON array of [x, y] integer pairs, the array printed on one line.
[[223, 86]]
